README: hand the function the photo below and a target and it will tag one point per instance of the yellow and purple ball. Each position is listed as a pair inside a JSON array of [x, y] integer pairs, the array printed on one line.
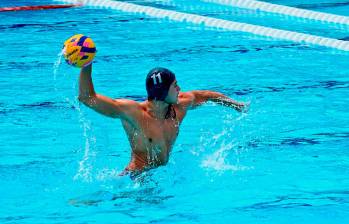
[[79, 50]]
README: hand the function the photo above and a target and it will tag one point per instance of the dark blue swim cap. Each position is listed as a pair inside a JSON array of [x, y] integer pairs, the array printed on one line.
[[158, 83]]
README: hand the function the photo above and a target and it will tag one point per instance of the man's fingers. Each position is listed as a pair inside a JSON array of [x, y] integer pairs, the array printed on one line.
[[246, 107]]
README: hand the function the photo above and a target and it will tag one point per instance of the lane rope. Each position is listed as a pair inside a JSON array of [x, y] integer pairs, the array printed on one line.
[[219, 24], [36, 7], [284, 10]]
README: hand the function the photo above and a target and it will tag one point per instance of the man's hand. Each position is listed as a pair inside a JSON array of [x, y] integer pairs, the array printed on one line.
[[243, 107]]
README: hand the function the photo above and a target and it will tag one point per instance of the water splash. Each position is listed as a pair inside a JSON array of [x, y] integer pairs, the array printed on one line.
[[106, 174], [85, 165], [56, 67], [218, 160], [228, 147], [85, 169]]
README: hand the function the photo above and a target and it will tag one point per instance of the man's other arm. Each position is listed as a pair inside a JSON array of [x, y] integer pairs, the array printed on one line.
[[198, 97]]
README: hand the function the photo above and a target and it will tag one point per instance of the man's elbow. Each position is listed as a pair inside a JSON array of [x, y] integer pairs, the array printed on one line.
[[87, 100]]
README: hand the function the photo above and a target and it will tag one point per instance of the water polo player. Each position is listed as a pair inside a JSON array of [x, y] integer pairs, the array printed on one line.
[[151, 126]]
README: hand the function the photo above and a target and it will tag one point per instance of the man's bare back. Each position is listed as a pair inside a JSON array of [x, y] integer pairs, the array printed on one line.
[[153, 125]]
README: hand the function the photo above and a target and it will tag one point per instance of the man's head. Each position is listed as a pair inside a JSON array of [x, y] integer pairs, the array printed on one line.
[[161, 85]]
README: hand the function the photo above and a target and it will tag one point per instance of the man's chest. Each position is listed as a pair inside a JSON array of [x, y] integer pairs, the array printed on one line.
[[161, 132]]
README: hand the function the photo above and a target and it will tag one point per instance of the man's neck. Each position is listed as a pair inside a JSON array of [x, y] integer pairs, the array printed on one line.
[[158, 109]]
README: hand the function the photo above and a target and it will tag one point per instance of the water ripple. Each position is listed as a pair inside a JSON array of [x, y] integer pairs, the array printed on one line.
[[329, 85], [45, 26], [322, 5], [308, 199], [334, 135], [15, 218], [299, 141], [135, 97], [197, 50], [38, 105], [317, 138]]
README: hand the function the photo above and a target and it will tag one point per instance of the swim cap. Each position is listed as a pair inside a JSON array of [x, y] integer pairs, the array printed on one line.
[[158, 83]]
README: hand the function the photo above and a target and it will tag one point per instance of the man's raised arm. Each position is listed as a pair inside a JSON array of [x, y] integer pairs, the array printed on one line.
[[86, 89], [199, 97], [122, 108]]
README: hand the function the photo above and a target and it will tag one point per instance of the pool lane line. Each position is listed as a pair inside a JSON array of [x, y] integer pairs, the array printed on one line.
[[36, 7], [219, 24], [284, 10]]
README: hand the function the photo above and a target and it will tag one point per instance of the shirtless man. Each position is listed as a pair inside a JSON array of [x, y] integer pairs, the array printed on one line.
[[151, 126]]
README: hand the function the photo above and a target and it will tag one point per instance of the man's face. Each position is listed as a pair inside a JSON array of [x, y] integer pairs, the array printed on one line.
[[172, 95]]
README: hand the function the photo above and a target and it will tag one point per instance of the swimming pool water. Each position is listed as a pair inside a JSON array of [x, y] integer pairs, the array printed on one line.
[[285, 161]]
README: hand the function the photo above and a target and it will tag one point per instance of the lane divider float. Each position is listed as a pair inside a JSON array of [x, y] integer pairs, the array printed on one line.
[[284, 10], [219, 24]]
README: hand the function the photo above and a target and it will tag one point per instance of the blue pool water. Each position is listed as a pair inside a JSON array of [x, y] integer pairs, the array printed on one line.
[[285, 161]]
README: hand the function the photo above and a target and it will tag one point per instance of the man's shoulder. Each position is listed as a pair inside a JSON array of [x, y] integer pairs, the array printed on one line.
[[185, 99], [186, 95], [128, 106], [127, 102]]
